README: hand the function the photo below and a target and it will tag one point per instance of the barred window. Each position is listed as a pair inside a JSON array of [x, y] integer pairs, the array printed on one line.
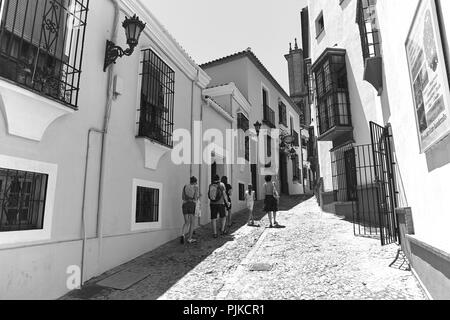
[[241, 192], [368, 28], [157, 100], [242, 122], [283, 113], [244, 125], [22, 200], [265, 96], [41, 45], [296, 172], [296, 136], [147, 205], [269, 151]]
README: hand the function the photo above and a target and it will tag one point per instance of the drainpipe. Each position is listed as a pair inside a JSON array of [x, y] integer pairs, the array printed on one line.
[[200, 184], [192, 121], [232, 144], [103, 132]]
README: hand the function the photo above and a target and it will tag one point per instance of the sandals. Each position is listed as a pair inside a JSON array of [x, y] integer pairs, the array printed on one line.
[[191, 241], [215, 236]]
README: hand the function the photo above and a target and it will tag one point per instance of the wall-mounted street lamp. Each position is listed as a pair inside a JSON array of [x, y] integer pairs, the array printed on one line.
[[133, 29], [258, 126], [288, 140]]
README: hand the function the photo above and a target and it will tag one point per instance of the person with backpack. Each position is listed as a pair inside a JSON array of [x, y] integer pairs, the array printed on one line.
[[228, 195], [271, 200], [218, 201], [190, 196]]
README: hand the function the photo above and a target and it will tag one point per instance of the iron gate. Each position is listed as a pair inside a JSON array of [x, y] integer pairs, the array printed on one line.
[[384, 164], [364, 176]]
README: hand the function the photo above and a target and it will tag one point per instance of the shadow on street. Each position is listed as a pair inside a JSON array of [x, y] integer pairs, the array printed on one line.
[[172, 261]]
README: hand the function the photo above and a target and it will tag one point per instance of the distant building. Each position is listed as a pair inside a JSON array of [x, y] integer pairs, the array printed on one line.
[[244, 75]]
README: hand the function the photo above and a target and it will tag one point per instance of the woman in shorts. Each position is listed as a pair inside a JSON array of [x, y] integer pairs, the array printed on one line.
[[190, 197]]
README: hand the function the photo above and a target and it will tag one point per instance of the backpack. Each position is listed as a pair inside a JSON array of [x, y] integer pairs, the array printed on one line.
[[186, 196], [215, 192]]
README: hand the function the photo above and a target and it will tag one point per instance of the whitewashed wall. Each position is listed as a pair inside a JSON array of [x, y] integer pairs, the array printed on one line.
[[425, 176]]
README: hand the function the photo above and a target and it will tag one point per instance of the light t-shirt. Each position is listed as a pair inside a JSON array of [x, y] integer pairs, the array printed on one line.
[[249, 198]]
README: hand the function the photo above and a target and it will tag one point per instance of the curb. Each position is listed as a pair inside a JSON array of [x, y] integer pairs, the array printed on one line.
[[229, 284]]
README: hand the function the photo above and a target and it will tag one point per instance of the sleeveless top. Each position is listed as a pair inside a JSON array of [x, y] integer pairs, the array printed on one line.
[[270, 189]]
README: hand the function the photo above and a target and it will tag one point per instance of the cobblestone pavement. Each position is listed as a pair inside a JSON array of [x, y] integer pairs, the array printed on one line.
[[316, 256]]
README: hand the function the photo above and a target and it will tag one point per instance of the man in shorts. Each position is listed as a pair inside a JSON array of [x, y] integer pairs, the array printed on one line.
[[218, 204]]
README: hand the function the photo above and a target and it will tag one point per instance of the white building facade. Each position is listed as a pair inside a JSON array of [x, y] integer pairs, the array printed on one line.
[[84, 154], [381, 107], [264, 101]]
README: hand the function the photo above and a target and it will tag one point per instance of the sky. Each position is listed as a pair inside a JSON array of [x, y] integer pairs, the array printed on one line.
[[212, 29]]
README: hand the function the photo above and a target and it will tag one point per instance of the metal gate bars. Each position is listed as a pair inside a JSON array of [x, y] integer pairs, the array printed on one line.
[[364, 176], [382, 147]]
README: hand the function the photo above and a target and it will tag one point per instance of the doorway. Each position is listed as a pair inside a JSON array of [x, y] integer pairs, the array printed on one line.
[[284, 174], [255, 179], [217, 169]]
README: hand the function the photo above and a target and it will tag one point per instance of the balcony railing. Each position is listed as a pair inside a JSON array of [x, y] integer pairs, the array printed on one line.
[[269, 117], [41, 45]]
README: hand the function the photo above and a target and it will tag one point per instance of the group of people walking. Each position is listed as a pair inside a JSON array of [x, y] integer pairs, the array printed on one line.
[[220, 195]]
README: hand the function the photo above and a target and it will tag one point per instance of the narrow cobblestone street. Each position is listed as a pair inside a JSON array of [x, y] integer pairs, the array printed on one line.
[[314, 256]]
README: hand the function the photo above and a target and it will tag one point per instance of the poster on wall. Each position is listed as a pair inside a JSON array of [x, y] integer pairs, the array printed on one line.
[[428, 74]]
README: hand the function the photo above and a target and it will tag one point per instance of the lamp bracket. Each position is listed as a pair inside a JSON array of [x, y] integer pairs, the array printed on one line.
[[114, 52]]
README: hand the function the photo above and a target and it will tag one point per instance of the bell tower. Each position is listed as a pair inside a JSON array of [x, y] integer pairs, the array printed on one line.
[[297, 81]]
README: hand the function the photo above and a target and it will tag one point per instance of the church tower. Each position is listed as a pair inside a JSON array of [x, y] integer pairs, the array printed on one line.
[[298, 81]]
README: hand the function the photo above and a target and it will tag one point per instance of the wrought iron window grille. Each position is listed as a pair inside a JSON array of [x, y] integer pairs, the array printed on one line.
[[156, 110], [147, 205], [244, 125], [283, 113], [241, 192], [41, 46], [368, 27], [22, 200]]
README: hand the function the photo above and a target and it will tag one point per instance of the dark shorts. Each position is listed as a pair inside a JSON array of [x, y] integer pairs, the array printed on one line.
[[217, 210], [270, 204], [189, 208]]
